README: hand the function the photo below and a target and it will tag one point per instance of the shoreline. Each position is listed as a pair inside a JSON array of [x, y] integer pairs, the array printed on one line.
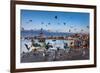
[[55, 55]]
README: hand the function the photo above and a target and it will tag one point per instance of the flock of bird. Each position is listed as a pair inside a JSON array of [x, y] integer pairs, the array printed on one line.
[[64, 23]]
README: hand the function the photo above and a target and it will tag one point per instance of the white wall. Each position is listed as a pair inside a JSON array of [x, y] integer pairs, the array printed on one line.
[[5, 36]]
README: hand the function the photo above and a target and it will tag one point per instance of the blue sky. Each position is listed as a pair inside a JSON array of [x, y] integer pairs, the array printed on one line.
[[55, 21]]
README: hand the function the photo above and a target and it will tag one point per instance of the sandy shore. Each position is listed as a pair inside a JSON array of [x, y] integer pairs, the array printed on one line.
[[55, 55]]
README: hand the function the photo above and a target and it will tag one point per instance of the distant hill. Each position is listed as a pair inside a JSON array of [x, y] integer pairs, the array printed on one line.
[[45, 32]]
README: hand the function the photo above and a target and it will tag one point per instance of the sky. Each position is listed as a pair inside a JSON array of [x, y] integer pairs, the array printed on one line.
[[55, 21]]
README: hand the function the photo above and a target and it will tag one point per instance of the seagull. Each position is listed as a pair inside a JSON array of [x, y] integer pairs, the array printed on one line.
[[87, 26], [64, 23], [42, 23], [56, 17], [30, 20], [48, 23], [28, 48], [58, 23]]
